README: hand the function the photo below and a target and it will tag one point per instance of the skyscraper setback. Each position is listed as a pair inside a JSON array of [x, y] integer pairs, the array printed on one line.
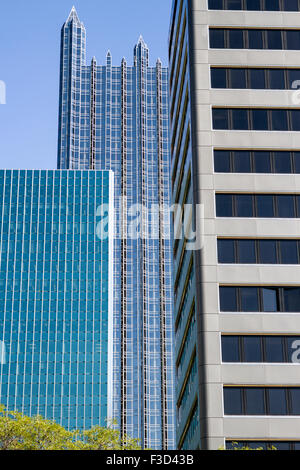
[[116, 118]]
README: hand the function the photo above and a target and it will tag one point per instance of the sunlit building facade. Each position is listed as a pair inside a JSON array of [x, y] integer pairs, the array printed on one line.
[[116, 118], [56, 301]]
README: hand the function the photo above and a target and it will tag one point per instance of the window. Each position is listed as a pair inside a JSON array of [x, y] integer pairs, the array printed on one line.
[[259, 299], [255, 39], [259, 349], [273, 39], [242, 162], [262, 162], [220, 119], [256, 119], [233, 401], [257, 205], [257, 78], [218, 78], [226, 251], [267, 252], [254, 5], [236, 38], [252, 351], [238, 78], [277, 79], [260, 120], [228, 299], [246, 251], [257, 161], [289, 252], [217, 38], [272, 401], [222, 161], [255, 401]]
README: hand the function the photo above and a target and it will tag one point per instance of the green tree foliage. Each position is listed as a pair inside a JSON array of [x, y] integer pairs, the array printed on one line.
[[20, 432]]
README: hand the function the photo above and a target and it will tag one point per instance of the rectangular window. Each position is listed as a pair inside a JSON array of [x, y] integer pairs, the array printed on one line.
[[257, 79], [272, 39], [222, 161], [218, 78], [238, 78], [220, 119], [255, 39], [257, 205], [217, 38]]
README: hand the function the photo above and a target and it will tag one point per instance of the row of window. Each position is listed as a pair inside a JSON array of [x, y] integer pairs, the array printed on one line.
[[254, 5], [269, 349], [274, 401], [264, 445], [258, 205], [236, 38], [255, 78], [256, 119], [249, 251], [259, 299], [257, 161]]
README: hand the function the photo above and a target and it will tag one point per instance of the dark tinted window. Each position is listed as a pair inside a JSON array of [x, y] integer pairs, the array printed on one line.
[[222, 161], [270, 299], [249, 299], [215, 4], [290, 5], [267, 251], [260, 119], [244, 205], [253, 5], [232, 401], [265, 206], [257, 78], [272, 5], [282, 162], [285, 206], [293, 40], [255, 39], [228, 299], [274, 39], [295, 401], [230, 349], [224, 205], [262, 162], [236, 38], [240, 119], [295, 113], [217, 38], [276, 78], [226, 251], [277, 401], [252, 349], [220, 119], [218, 78], [255, 401], [292, 299], [279, 120], [238, 78], [289, 252], [242, 162], [246, 252], [297, 162], [274, 349], [234, 4]]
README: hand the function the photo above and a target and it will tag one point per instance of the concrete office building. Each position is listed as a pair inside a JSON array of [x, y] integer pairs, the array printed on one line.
[[235, 143]]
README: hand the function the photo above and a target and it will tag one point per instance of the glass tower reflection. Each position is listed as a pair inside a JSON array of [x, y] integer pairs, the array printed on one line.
[[116, 118]]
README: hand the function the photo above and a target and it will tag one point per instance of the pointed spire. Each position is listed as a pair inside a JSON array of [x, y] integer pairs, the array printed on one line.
[[108, 58], [141, 41], [73, 16]]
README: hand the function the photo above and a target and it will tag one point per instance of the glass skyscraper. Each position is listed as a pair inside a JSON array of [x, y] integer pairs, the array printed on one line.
[[56, 303], [116, 118]]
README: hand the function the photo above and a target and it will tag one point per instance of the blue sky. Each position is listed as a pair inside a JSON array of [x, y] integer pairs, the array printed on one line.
[[29, 63]]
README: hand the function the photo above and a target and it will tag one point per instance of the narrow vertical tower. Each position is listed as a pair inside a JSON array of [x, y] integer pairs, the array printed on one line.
[[121, 124], [73, 46]]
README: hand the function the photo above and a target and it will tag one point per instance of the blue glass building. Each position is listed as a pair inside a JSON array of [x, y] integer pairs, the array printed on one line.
[[116, 118], [56, 281]]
